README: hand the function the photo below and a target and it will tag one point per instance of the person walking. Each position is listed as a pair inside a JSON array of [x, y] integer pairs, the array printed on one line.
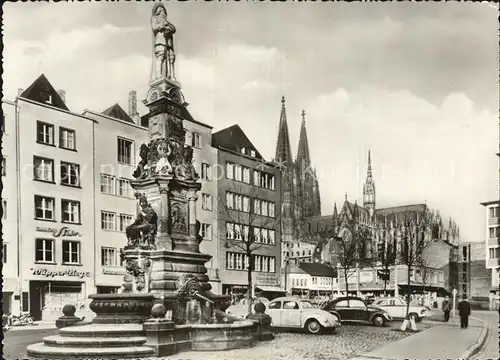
[[464, 311], [446, 306]]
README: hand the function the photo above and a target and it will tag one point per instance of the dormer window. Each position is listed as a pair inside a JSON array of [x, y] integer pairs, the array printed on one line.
[[252, 153], [47, 98], [243, 150]]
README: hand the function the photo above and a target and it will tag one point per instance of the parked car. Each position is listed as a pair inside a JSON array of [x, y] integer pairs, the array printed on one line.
[[240, 310], [293, 312], [354, 309], [396, 307]]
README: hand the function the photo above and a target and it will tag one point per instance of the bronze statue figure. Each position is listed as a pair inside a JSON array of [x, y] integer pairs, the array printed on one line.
[[143, 230], [142, 168]]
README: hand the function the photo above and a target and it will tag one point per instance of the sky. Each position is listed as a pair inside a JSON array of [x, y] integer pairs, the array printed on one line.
[[416, 83]]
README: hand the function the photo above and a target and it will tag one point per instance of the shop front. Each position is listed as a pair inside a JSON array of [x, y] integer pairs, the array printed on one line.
[[54, 288], [110, 281]]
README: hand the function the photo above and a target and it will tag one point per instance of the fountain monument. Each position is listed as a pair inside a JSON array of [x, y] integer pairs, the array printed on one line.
[[166, 305]]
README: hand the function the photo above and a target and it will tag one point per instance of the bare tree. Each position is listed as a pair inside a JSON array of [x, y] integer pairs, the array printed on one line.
[[386, 257], [250, 223], [414, 235]]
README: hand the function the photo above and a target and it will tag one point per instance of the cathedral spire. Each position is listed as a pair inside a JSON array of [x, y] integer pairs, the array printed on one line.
[[303, 157], [369, 188], [283, 149]]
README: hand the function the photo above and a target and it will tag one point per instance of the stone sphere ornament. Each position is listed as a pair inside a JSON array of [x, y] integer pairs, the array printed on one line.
[[259, 308], [69, 310], [158, 311]]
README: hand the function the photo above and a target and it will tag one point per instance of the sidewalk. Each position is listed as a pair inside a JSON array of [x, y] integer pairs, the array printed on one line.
[[37, 325], [447, 341]]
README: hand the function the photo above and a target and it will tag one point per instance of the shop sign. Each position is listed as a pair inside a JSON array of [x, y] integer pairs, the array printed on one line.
[[53, 273], [61, 232], [113, 272], [266, 279], [364, 277]]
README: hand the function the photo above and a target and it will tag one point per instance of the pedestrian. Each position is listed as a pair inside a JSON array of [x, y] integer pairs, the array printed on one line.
[[464, 311], [446, 308]]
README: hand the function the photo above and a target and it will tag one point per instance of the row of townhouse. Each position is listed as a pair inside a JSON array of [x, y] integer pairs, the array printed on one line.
[[67, 200]]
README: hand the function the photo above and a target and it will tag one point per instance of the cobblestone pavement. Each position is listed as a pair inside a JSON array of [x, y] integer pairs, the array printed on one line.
[[349, 341]]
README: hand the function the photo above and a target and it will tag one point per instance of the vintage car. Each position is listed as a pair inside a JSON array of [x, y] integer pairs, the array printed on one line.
[[396, 307], [353, 309], [293, 312], [240, 310]]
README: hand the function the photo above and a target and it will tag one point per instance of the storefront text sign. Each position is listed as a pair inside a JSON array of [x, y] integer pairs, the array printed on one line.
[[113, 272], [61, 232], [266, 279], [53, 273]]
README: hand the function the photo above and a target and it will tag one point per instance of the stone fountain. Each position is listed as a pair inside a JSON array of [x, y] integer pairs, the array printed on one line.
[[166, 305]]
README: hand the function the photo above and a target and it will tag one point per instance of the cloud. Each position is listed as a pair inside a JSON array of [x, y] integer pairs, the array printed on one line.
[[420, 152]]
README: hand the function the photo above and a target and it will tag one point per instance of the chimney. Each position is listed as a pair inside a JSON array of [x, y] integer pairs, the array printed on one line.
[[19, 91], [132, 107], [62, 94]]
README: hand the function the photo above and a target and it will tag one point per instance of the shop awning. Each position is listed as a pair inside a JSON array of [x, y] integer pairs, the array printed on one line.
[[417, 287], [270, 288]]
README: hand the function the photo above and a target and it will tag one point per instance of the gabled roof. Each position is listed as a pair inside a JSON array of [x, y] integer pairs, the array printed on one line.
[[40, 89], [233, 138], [317, 269], [117, 112]]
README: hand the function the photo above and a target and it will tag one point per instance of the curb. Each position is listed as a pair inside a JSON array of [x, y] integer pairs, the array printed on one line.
[[474, 348]]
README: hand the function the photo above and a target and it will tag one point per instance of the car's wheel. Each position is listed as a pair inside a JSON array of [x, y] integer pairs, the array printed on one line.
[[378, 320], [414, 317], [313, 326]]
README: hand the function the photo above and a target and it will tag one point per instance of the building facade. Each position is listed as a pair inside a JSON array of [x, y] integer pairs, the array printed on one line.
[[492, 243], [54, 201], [248, 212]]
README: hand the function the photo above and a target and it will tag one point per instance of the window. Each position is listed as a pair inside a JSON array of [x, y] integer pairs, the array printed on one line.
[[108, 256], [124, 188], [67, 139], [4, 253], [107, 184], [44, 208], [4, 209], [43, 169], [206, 202], [71, 252], [196, 140], [44, 250], [125, 221], [494, 253], [206, 173], [357, 304], [342, 303], [290, 305], [264, 263], [237, 202], [494, 211], [230, 170], [44, 133], [275, 305], [236, 261], [252, 153], [246, 175], [494, 232], [238, 172], [206, 231], [108, 220], [70, 174], [4, 166], [125, 151], [70, 211]]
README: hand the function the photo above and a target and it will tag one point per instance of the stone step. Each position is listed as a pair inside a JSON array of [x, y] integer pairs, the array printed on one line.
[[43, 351], [96, 342], [102, 330]]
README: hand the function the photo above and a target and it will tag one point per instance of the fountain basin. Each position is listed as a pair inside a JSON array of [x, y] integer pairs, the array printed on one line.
[[122, 308], [225, 336]]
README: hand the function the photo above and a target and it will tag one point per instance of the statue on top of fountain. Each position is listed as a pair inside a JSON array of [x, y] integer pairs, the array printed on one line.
[[163, 44], [142, 232]]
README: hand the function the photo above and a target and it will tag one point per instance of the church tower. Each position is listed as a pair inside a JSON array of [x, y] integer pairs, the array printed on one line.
[[369, 188], [283, 157]]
